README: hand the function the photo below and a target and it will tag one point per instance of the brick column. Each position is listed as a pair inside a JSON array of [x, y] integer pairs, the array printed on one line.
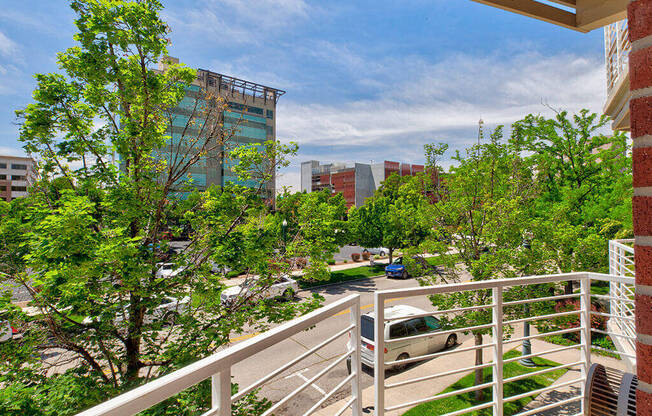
[[639, 14]]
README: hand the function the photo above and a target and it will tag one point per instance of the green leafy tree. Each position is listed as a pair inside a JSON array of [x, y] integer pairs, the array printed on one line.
[[485, 209], [87, 242], [586, 187]]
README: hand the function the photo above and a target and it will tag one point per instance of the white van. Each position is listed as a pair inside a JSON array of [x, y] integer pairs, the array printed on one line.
[[402, 328]]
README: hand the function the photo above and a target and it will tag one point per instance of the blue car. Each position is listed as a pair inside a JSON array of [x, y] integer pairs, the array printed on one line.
[[397, 269]]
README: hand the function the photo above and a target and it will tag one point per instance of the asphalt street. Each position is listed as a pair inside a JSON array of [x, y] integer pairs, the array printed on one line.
[[256, 367]]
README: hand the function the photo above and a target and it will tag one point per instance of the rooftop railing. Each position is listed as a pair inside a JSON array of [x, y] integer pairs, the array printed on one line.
[[617, 47]]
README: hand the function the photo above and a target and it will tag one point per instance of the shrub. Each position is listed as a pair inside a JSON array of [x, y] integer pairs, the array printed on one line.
[[355, 256], [573, 321], [331, 262], [301, 262], [365, 255]]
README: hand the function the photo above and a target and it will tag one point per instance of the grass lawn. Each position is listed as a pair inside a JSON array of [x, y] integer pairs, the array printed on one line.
[[451, 404], [347, 275]]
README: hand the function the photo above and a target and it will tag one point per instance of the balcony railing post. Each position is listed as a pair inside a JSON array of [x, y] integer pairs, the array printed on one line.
[[497, 318], [356, 366], [585, 328], [379, 354], [221, 393]]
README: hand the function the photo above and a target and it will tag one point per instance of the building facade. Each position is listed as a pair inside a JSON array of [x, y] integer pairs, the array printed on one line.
[[17, 174], [249, 119], [355, 182]]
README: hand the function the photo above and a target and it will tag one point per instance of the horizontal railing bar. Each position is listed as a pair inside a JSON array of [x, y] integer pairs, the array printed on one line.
[[537, 318], [444, 374], [551, 406], [620, 299], [610, 315], [610, 278], [595, 347], [543, 334], [284, 367], [441, 396], [485, 284], [546, 370], [438, 354], [599, 331], [520, 357], [308, 383], [470, 409], [155, 391], [421, 315], [446, 332], [346, 406], [543, 390], [330, 394], [520, 302]]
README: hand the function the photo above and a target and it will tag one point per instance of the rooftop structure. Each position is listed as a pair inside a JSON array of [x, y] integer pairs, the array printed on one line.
[[356, 182], [17, 174], [617, 48]]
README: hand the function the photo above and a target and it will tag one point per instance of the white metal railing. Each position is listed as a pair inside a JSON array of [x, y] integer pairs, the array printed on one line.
[[617, 48], [621, 303], [498, 340], [218, 368]]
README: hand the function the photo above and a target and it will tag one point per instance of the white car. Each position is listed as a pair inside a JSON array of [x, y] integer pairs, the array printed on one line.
[[167, 270], [6, 331], [168, 308], [284, 287], [401, 328], [380, 251]]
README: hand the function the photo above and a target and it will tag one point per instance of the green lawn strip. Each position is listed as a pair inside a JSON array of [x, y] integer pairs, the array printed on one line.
[[462, 401], [599, 340], [346, 275]]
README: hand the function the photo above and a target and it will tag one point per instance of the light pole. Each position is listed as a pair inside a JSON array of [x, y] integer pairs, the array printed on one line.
[[527, 346], [284, 228]]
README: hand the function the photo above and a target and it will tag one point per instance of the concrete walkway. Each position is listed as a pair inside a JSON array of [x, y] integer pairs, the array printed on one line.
[[463, 359]]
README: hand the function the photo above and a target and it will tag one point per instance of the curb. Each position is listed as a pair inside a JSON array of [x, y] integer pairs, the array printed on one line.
[[340, 283]]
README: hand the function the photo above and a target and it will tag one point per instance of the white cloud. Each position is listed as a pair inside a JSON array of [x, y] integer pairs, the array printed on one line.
[[8, 47], [420, 103]]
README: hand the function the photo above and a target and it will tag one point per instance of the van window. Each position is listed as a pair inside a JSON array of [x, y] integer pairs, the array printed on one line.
[[417, 326], [367, 327], [433, 323], [397, 331]]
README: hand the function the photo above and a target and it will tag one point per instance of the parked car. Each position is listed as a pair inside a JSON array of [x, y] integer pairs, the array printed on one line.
[[168, 308], [401, 328], [397, 267], [284, 287], [381, 251], [167, 270]]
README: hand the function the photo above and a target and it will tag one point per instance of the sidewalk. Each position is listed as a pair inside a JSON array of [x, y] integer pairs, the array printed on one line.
[[452, 362]]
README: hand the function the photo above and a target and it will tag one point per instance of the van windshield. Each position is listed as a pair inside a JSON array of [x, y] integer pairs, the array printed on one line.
[[367, 327]]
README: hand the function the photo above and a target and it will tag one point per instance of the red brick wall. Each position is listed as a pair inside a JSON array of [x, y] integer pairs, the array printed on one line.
[[391, 167], [639, 16], [344, 182], [405, 169]]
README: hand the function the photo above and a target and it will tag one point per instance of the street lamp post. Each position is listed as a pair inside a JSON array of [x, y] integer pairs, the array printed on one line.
[[527, 346], [284, 228]]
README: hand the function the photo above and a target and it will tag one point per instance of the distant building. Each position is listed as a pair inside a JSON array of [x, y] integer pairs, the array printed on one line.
[[16, 175], [251, 107], [356, 182]]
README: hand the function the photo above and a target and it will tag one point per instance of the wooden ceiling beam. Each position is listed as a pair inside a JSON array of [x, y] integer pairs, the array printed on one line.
[[537, 10], [594, 14]]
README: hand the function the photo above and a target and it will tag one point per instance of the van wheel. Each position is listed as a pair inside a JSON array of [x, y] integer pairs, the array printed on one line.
[[382, 254], [402, 356], [451, 341]]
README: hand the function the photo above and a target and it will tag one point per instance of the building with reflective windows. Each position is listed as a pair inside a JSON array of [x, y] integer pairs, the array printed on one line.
[[17, 174]]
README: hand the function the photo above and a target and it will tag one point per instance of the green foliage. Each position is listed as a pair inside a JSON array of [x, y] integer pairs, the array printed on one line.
[[512, 369], [87, 242]]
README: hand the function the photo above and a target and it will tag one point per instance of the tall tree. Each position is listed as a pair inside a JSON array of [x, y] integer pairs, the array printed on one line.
[[87, 242], [484, 208]]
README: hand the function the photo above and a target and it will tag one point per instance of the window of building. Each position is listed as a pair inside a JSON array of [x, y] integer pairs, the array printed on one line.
[[270, 114], [3, 188], [3, 177], [18, 167], [3, 166], [19, 188], [18, 177]]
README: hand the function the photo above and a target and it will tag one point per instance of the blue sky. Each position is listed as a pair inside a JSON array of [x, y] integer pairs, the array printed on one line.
[[365, 80]]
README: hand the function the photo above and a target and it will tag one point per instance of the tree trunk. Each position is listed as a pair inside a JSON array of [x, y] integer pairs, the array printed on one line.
[[568, 288], [391, 255], [479, 379]]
